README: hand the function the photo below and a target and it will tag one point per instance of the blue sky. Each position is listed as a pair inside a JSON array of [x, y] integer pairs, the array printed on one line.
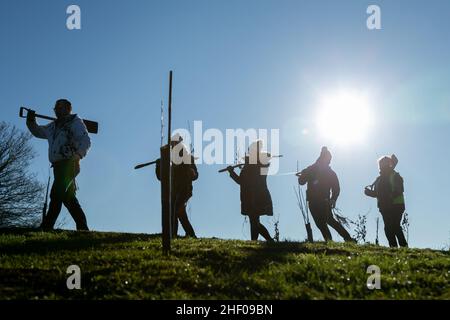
[[237, 64]]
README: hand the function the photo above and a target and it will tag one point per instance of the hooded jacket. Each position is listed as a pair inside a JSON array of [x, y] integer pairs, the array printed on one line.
[[66, 137], [323, 183], [388, 189], [255, 196], [183, 174]]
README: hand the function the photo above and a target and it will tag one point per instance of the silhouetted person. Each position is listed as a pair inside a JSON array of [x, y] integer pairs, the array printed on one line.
[[322, 193], [255, 196], [184, 171], [69, 142], [388, 189]]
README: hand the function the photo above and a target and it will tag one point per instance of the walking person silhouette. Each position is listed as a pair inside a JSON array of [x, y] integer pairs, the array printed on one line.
[[388, 190], [184, 172], [322, 193], [255, 196], [68, 142]]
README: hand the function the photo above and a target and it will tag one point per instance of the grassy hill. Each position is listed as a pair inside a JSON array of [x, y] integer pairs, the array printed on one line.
[[131, 266]]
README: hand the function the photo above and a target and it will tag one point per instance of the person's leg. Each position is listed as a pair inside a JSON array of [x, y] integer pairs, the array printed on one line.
[[54, 209], [262, 230], [401, 238], [398, 231], [338, 227], [77, 213], [173, 215], [254, 227], [183, 217], [174, 226], [66, 189], [318, 213], [56, 200], [389, 229]]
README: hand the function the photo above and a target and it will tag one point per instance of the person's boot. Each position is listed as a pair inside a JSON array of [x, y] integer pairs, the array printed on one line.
[[77, 214], [265, 233], [401, 239], [45, 227], [190, 233], [83, 228]]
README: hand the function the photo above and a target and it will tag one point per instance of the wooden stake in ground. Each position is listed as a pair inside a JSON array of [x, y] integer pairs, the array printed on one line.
[[166, 179]]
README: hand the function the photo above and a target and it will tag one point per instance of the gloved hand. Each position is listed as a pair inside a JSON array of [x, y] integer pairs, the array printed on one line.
[[369, 192], [194, 174], [394, 160], [230, 169], [31, 116], [302, 177]]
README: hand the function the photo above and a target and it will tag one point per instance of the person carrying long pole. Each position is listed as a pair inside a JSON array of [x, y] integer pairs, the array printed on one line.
[[184, 172], [255, 196], [69, 142]]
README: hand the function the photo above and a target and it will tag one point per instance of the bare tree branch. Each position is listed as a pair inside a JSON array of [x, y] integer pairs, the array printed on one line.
[[20, 193]]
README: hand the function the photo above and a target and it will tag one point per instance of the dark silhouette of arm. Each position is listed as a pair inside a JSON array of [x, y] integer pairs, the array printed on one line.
[[335, 187], [158, 169], [81, 139], [369, 190], [36, 130], [304, 176], [398, 188], [235, 176], [194, 170], [370, 193]]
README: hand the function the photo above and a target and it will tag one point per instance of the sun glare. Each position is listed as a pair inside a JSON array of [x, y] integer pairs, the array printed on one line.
[[344, 117]]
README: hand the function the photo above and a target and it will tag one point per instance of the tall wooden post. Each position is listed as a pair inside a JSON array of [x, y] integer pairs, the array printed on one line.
[[166, 180]]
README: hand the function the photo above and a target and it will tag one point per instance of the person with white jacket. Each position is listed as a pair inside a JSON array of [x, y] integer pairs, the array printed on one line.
[[69, 142]]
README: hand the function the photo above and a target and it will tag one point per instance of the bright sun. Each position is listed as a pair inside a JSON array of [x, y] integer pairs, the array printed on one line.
[[344, 117]]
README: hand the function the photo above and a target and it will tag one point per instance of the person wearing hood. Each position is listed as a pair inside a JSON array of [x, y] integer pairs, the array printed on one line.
[[388, 190], [184, 172], [322, 193], [255, 196], [68, 142]]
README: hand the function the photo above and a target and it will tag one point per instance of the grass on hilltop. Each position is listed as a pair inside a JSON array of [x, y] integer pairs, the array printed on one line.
[[33, 265]]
